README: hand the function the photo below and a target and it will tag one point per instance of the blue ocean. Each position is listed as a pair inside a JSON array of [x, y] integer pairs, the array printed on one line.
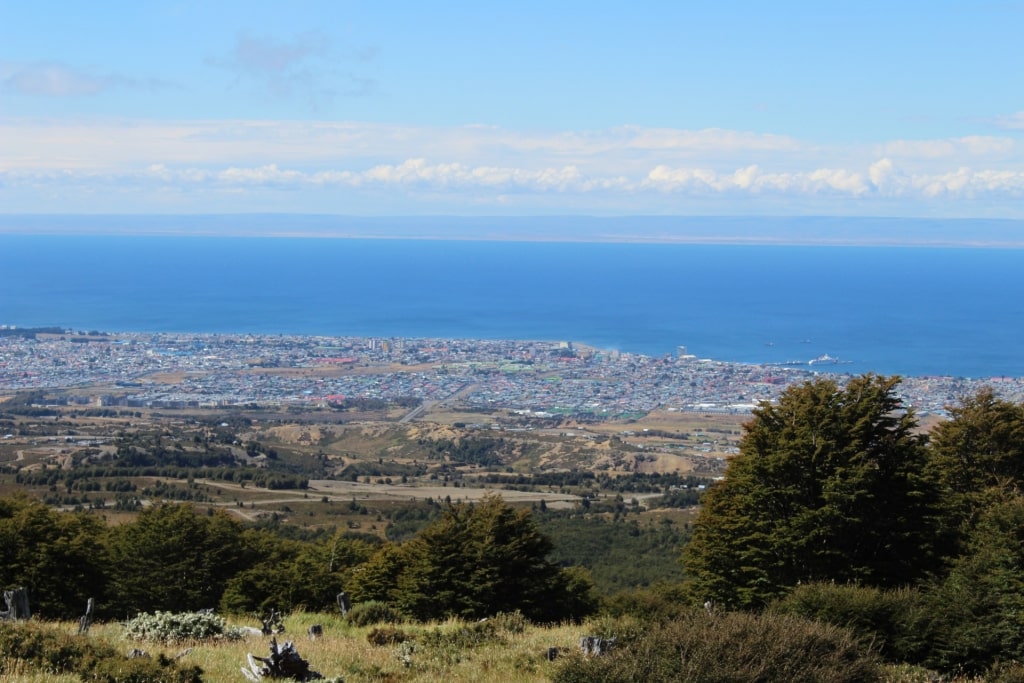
[[895, 310]]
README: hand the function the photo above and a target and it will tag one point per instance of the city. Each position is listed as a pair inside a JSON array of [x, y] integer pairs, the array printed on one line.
[[546, 378]]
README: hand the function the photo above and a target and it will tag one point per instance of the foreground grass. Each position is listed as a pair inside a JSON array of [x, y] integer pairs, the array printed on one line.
[[344, 651], [448, 651]]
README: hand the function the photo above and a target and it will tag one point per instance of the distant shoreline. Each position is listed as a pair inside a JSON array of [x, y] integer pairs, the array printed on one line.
[[681, 230]]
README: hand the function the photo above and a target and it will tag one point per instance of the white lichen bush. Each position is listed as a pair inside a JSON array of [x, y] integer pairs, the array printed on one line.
[[171, 627]]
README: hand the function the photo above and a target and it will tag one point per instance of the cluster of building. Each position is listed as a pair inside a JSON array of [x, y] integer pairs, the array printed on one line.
[[547, 378]]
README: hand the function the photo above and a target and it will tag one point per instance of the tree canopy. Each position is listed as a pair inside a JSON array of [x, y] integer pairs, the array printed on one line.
[[173, 559], [475, 561], [980, 448], [829, 485], [58, 557]]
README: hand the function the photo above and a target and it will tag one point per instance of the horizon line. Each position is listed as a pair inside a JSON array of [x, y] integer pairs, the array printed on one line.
[[742, 230]]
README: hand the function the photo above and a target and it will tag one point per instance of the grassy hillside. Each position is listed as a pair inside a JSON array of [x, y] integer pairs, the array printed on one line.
[[505, 651]]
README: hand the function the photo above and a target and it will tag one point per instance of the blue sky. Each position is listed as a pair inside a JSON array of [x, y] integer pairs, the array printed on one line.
[[403, 108]]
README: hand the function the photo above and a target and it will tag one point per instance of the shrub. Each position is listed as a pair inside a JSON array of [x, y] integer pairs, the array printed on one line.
[[730, 647], [372, 612], [141, 670], [1011, 672], [462, 637], [889, 618], [41, 648], [170, 627], [510, 622], [662, 601], [386, 636], [624, 629], [53, 652]]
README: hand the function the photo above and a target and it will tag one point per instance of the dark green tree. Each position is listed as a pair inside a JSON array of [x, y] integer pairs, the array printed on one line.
[[977, 610], [475, 561], [58, 556], [172, 559], [377, 578], [980, 447], [828, 486], [292, 574]]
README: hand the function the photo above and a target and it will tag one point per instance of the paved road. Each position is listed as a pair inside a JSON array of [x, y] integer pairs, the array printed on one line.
[[428, 405]]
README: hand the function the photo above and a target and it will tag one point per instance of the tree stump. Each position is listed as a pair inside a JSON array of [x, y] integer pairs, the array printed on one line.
[[273, 624], [283, 662], [86, 621], [17, 605], [343, 603]]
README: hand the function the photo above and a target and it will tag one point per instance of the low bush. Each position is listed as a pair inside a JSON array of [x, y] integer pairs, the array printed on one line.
[[42, 648], [728, 647], [372, 612], [386, 635], [1011, 672], [510, 622], [53, 652], [172, 627], [662, 601], [891, 619], [461, 636], [141, 670]]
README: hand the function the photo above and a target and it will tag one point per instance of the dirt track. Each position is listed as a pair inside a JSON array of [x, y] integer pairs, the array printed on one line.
[[350, 489]]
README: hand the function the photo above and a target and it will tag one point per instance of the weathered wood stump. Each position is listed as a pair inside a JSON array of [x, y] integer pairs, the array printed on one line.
[[273, 624], [17, 605], [283, 662], [595, 646], [86, 621], [343, 603]]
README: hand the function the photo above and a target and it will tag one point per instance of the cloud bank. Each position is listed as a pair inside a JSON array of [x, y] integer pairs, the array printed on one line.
[[296, 166]]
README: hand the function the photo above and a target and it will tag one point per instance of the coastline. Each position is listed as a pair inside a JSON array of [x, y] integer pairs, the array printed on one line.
[[541, 378]]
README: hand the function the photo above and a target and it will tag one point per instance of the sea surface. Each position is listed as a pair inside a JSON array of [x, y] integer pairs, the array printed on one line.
[[894, 310]]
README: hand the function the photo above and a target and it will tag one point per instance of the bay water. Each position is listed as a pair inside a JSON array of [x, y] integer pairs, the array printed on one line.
[[894, 310]]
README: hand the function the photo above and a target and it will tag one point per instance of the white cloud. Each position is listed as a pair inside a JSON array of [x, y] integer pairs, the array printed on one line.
[[603, 152], [628, 167], [263, 175], [886, 178], [970, 184], [881, 179], [753, 180], [969, 146], [708, 140]]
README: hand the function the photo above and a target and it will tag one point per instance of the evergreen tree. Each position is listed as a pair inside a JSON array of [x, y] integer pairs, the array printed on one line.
[[59, 557], [377, 578], [173, 559], [828, 486], [980, 447], [977, 610], [475, 561], [292, 574]]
